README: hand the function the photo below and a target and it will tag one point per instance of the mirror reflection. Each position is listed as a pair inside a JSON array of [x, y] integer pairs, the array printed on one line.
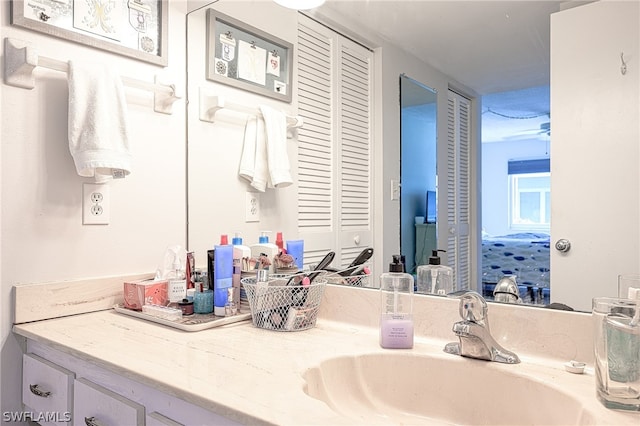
[[393, 228], [418, 172]]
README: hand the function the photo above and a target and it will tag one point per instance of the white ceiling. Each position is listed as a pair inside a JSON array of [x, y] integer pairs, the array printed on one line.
[[492, 47]]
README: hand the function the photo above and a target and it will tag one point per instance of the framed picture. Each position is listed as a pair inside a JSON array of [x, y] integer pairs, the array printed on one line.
[[245, 57], [133, 28]]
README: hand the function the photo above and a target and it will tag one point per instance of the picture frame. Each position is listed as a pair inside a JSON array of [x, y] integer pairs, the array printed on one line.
[[248, 58], [134, 28]]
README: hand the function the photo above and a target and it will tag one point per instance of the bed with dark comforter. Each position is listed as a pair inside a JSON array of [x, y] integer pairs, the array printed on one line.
[[525, 255]]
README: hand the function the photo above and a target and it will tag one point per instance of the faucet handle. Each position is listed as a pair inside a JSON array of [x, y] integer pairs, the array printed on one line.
[[473, 307]]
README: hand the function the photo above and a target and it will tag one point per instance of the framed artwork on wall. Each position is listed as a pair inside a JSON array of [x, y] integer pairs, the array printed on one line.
[[133, 28], [245, 57]]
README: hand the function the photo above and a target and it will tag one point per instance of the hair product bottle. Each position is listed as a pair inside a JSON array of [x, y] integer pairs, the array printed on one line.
[[396, 316]]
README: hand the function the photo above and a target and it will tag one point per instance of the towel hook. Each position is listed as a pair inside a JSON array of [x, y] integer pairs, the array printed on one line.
[[623, 67]]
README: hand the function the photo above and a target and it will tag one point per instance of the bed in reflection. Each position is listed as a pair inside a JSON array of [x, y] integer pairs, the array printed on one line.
[[525, 255]]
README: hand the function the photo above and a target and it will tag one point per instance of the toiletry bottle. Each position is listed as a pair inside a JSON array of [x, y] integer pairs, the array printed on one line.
[[241, 256], [231, 308], [295, 248], [222, 275], [203, 299], [190, 269], [177, 288], [279, 242], [267, 248], [435, 278], [396, 316]]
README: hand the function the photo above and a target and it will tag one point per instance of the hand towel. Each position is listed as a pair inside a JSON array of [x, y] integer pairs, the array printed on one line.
[[98, 132], [253, 163], [248, 157], [276, 141]]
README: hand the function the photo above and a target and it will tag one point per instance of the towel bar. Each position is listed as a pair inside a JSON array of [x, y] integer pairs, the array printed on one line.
[[211, 104], [21, 60]]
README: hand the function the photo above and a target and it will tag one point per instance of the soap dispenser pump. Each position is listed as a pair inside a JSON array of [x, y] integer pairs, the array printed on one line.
[[396, 316], [435, 278]]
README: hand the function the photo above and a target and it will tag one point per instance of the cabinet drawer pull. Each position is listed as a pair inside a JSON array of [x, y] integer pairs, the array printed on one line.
[[92, 421], [35, 389]]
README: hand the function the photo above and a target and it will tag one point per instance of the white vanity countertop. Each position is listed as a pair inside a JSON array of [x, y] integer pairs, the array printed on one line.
[[255, 376]]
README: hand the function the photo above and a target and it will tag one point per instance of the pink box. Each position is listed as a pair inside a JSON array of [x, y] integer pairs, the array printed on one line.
[[142, 292]]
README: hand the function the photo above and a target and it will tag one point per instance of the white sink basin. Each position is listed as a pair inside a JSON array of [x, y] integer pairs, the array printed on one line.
[[402, 388]]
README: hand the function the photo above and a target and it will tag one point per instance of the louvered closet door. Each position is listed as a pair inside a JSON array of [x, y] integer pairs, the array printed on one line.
[[458, 184], [334, 154]]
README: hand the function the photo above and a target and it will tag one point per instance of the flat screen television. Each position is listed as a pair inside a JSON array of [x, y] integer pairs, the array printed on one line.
[[431, 212]]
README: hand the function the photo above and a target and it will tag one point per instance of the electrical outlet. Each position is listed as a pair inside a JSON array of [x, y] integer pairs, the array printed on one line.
[[95, 204], [252, 213]]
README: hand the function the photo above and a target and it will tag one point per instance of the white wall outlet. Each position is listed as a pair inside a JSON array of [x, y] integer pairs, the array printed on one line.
[[95, 204], [252, 213]]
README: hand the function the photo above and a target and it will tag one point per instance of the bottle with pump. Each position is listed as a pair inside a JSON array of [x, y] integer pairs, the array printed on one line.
[[435, 278], [241, 256], [396, 316], [177, 288], [265, 247]]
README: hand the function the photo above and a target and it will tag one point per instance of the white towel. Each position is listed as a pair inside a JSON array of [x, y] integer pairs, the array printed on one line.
[[277, 157], [253, 163], [98, 133], [248, 158]]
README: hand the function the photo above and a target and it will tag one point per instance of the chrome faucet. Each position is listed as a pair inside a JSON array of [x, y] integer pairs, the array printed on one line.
[[474, 334]]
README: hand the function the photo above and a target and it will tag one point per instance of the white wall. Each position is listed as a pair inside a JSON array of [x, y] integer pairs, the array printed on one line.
[[43, 238]]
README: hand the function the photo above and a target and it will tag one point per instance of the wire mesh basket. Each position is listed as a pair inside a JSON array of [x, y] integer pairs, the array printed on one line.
[[344, 277], [284, 303]]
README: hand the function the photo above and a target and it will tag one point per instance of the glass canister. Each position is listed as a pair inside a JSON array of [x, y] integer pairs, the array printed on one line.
[[617, 352]]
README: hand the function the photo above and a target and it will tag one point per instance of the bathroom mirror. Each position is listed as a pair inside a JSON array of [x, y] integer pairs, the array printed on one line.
[[227, 143], [418, 172]]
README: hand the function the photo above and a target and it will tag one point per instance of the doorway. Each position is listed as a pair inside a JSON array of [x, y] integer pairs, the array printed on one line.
[[516, 192]]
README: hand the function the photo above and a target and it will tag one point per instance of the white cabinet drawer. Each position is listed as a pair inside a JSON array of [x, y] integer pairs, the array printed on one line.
[[106, 408], [47, 390]]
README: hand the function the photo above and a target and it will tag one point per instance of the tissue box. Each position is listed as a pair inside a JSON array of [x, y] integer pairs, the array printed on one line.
[[142, 292]]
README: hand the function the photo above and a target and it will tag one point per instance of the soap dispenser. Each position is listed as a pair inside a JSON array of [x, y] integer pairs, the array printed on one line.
[[396, 316], [266, 248], [435, 278], [177, 287]]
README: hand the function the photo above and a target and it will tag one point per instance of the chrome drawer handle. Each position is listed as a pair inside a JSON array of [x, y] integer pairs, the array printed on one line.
[[35, 389], [92, 421]]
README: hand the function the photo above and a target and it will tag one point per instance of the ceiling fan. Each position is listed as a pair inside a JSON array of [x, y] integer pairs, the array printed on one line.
[[544, 130]]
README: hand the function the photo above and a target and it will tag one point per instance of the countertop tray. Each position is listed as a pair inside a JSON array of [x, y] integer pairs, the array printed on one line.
[[195, 322]]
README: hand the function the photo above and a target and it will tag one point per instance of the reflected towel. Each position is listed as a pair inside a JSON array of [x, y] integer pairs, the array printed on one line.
[[98, 132], [253, 163], [276, 141]]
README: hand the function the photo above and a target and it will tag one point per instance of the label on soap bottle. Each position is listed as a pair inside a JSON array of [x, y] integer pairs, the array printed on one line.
[[177, 290]]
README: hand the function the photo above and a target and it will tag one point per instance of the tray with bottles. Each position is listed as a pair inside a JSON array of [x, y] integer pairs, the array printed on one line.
[[173, 317]]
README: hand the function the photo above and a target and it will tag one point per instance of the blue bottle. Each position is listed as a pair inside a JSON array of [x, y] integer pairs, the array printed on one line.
[[222, 277]]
